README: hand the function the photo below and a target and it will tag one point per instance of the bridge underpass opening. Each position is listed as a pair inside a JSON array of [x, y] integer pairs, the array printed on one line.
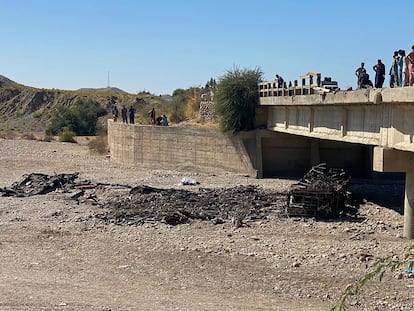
[[286, 155]]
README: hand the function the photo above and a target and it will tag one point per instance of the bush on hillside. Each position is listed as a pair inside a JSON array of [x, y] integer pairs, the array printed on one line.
[[81, 118], [236, 99], [177, 108], [67, 136]]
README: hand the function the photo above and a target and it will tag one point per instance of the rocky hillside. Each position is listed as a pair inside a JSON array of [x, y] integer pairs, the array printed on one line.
[[6, 81], [28, 109], [103, 90]]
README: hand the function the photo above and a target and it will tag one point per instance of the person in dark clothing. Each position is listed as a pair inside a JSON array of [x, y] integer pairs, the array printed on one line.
[[379, 69], [164, 120], [124, 112], [359, 73], [115, 113], [152, 116], [365, 82], [394, 70], [131, 115], [280, 81], [158, 120]]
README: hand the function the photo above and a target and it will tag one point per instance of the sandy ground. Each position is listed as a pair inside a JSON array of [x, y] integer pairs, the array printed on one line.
[[56, 255]]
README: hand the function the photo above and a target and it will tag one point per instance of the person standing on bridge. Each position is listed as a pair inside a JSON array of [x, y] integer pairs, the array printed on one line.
[[365, 82], [131, 115], [124, 114], [280, 81], [410, 58], [115, 113], [379, 69], [152, 116], [360, 72], [394, 70], [403, 68]]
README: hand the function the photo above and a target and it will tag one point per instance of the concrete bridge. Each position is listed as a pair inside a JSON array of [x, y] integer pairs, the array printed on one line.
[[380, 118]]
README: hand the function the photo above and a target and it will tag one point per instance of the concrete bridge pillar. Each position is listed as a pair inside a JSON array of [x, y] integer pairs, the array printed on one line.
[[391, 160], [409, 206]]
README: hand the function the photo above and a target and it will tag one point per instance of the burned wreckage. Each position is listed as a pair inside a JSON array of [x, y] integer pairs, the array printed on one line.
[[320, 193]]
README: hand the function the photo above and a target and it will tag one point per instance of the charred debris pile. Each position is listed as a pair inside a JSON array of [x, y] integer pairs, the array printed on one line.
[[126, 205], [322, 192], [37, 183], [145, 204]]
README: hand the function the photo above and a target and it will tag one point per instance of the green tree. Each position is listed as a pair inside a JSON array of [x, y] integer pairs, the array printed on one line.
[[211, 84], [177, 107], [180, 93], [81, 118], [236, 99], [185, 103]]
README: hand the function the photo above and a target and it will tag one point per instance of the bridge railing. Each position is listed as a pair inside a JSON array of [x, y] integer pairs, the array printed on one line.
[[271, 88]]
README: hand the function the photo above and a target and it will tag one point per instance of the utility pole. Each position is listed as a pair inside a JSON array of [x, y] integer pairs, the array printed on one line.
[[109, 84]]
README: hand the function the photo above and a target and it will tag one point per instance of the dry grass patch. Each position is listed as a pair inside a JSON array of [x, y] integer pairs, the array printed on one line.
[[99, 145]]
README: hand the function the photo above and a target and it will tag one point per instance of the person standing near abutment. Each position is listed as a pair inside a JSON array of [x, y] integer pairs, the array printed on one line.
[[131, 115], [379, 69], [410, 58], [403, 63], [124, 114], [360, 73], [280, 81], [152, 116], [394, 70], [115, 113]]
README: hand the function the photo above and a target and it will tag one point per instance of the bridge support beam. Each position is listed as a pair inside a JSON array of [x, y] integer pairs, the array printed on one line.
[[409, 206], [390, 160]]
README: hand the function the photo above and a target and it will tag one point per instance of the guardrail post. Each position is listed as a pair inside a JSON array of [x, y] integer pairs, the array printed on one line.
[[310, 84]]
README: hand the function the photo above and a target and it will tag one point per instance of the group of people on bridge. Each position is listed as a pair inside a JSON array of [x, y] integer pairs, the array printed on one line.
[[161, 120], [124, 114], [401, 72]]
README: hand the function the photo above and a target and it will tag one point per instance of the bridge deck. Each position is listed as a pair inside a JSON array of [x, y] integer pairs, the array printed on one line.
[[379, 117]]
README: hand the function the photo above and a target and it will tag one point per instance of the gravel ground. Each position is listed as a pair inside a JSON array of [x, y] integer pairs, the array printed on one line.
[[57, 254]]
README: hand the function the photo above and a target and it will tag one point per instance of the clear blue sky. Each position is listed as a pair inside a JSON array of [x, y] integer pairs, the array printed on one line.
[[162, 45]]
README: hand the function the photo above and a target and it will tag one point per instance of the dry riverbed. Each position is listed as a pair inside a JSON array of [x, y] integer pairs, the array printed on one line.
[[60, 252]]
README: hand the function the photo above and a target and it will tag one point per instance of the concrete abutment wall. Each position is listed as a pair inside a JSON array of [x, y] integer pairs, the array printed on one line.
[[200, 149], [259, 153]]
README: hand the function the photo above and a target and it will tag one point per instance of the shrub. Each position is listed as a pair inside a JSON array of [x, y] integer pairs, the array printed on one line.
[[81, 118], [177, 113], [17, 115], [193, 103], [37, 115], [67, 135], [185, 104], [236, 99]]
